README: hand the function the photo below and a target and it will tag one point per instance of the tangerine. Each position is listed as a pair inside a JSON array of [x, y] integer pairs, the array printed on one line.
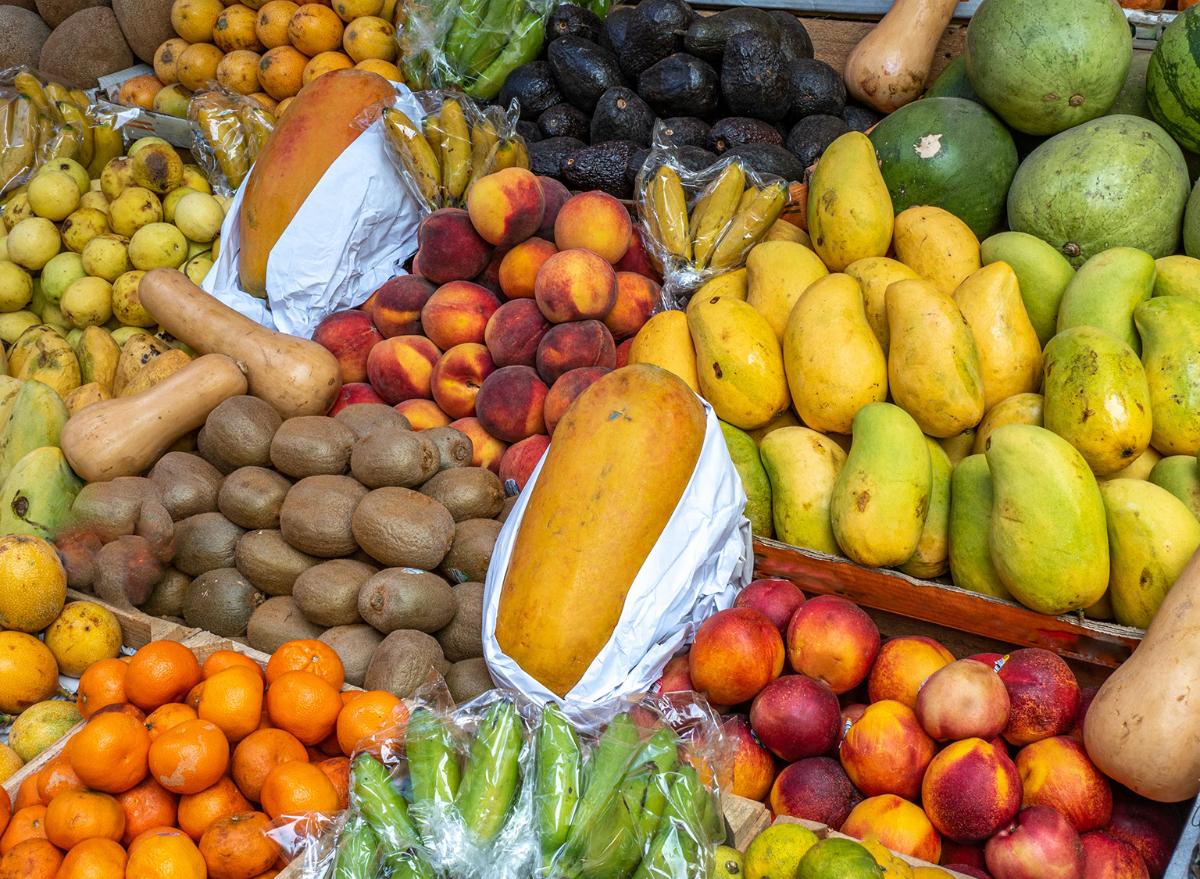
[[28, 794], [57, 776], [305, 705], [337, 770], [32, 859], [259, 753], [372, 712], [161, 672], [237, 846], [233, 700], [102, 684], [76, 815], [190, 757], [147, 804], [223, 659], [310, 655], [94, 859], [197, 811], [110, 753], [165, 852], [295, 788], [164, 717], [27, 823]]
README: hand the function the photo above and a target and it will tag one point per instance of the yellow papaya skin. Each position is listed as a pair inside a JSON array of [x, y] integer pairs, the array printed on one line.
[[803, 467], [664, 341], [936, 245], [931, 557], [624, 454], [850, 214], [1170, 331], [1017, 409], [970, 553]]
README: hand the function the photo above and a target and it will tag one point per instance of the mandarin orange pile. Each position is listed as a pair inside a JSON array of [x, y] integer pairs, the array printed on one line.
[[182, 769]]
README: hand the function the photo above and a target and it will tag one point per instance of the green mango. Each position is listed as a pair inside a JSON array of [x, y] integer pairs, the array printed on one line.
[[1097, 398], [1180, 475], [959, 447], [882, 495], [1106, 290], [803, 467], [1151, 536], [1048, 538], [9, 388], [743, 450], [1170, 327], [931, 558], [971, 501], [1177, 275], [36, 497], [1042, 274], [36, 419]]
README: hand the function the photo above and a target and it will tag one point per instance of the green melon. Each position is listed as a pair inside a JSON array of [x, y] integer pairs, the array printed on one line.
[[950, 153], [1118, 181], [1047, 65], [1173, 79], [953, 82]]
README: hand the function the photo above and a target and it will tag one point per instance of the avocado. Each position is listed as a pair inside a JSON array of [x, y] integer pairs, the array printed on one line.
[[533, 87], [817, 89], [654, 32], [613, 30], [601, 167], [574, 21], [696, 159], [768, 158], [735, 130], [634, 165], [707, 35], [754, 77], [529, 131], [548, 157], [686, 131], [860, 118], [809, 137], [583, 70], [563, 120], [794, 41], [622, 115], [680, 84]]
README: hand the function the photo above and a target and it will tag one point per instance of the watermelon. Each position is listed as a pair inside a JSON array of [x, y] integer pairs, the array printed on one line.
[[1173, 79], [1191, 225], [1117, 181], [950, 153], [953, 82], [1047, 65]]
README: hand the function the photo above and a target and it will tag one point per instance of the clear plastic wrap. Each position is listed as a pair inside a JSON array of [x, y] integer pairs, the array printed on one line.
[[40, 120], [228, 132]]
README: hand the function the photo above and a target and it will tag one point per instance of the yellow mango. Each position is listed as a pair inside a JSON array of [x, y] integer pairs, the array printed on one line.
[[664, 341], [85, 395], [1017, 409], [932, 555], [1042, 273], [1170, 330], [874, 274], [1009, 352], [934, 372], [959, 445], [1141, 468], [802, 466], [786, 418], [98, 355], [733, 284], [777, 273], [1180, 475], [936, 245], [1106, 290], [1177, 275], [1101, 610], [850, 214], [51, 362], [782, 230], [970, 553], [834, 363]]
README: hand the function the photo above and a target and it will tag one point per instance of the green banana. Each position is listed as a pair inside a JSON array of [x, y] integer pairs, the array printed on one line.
[[36, 419], [524, 46], [489, 784], [36, 497], [682, 799], [606, 767], [356, 853], [673, 854], [496, 30], [381, 804], [432, 765], [407, 865], [559, 771], [466, 25]]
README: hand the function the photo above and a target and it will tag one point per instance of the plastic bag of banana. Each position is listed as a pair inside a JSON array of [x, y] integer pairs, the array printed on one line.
[[228, 131]]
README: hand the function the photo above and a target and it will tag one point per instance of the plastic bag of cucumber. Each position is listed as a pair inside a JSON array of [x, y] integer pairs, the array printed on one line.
[[502, 789]]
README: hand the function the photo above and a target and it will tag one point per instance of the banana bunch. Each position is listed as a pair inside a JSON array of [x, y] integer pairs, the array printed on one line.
[[233, 129], [727, 220], [451, 149]]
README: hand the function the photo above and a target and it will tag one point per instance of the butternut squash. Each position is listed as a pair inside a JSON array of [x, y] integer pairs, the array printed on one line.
[[296, 376], [889, 66], [1143, 728], [125, 436]]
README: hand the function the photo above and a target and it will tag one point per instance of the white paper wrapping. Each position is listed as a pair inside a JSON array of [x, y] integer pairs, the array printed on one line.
[[701, 560], [353, 232]]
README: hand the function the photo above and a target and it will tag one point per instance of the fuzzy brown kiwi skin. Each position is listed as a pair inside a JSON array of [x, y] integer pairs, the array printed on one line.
[[277, 621]]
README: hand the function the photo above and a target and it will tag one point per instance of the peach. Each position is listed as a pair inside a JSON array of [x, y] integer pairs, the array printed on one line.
[[1086, 695], [885, 751], [575, 345], [735, 653], [398, 304], [506, 207], [458, 313], [970, 790], [369, 304], [520, 266], [514, 332], [575, 285], [623, 353], [422, 414], [487, 450], [833, 640], [963, 700], [815, 789], [676, 676], [457, 376], [637, 258], [355, 392], [511, 403], [753, 764], [554, 195], [349, 336], [1106, 857], [594, 221], [1056, 772], [637, 298], [564, 391], [489, 278], [988, 659], [522, 458], [850, 715], [899, 825], [400, 368], [1151, 828], [777, 600], [795, 716], [449, 248], [903, 665], [962, 854], [1043, 694], [1039, 844]]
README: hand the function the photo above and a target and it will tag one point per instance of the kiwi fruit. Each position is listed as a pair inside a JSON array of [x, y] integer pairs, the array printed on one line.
[[354, 644], [455, 448], [467, 679], [126, 571], [471, 552], [167, 598], [402, 662], [267, 560], [509, 503], [462, 637], [403, 528], [155, 525], [240, 431], [398, 598], [277, 621], [111, 509], [209, 454], [55, 12], [221, 601], [467, 492], [188, 484], [253, 496], [312, 445], [393, 456], [85, 47], [205, 542], [365, 418], [327, 594], [146, 25], [317, 515]]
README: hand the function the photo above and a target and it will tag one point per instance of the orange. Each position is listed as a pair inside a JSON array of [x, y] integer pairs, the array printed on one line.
[[193, 697], [295, 788], [304, 705], [27, 823], [28, 794], [384, 68], [337, 770], [161, 672], [324, 63], [127, 708], [190, 757], [371, 37], [315, 29], [271, 26], [147, 804], [166, 716], [234, 29], [102, 684], [165, 853], [233, 700], [223, 659], [32, 859], [76, 815], [372, 712], [197, 811], [57, 776], [6, 809], [280, 72], [310, 655], [94, 859], [259, 753], [109, 753], [237, 847]]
